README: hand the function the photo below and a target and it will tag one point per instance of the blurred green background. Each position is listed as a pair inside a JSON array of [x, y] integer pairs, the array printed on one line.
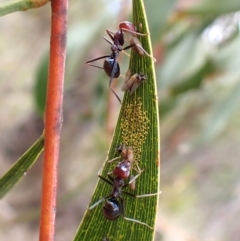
[[196, 44]]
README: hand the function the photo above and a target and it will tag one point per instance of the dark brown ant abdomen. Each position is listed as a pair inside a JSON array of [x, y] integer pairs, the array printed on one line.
[[108, 67], [111, 209]]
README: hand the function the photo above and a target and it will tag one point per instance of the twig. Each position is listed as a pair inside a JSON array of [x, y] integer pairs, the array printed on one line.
[[53, 118]]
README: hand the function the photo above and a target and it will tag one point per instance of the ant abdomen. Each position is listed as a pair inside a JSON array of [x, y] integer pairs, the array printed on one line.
[[108, 68], [111, 209]]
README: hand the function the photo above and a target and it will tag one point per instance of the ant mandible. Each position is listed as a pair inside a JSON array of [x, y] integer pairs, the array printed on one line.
[[114, 203], [111, 65]]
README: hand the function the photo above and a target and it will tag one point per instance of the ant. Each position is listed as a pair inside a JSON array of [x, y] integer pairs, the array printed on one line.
[[131, 29], [131, 82], [111, 65], [123, 168], [114, 203]]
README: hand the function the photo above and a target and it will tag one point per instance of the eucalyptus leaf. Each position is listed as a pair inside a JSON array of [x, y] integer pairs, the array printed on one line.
[[213, 7], [218, 119], [21, 167], [137, 127]]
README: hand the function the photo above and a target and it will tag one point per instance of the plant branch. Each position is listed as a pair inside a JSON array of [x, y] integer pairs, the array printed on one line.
[[53, 118], [20, 5]]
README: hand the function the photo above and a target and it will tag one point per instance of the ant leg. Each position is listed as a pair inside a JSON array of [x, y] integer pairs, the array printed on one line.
[[137, 168], [99, 67], [132, 183], [128, 193], [133, 32], [114, 159], [139, 49], [133, 178], [110, 177], [96, 203], [111, 78], [130, 219], [110, 34], [137, 221], [102, 57], [145, 52], [108, 40], [116, 95], [129, 46], [126, 53], [106, 180], [148, 195]]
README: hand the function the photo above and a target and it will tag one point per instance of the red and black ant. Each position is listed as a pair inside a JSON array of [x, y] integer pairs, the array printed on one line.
[[111, 65], [132, 30], [114, 203]]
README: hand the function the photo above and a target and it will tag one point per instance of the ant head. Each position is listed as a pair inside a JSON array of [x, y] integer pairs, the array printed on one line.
[[111, 209]]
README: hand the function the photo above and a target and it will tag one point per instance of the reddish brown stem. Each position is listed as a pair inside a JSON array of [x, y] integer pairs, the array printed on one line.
[[53, 118]]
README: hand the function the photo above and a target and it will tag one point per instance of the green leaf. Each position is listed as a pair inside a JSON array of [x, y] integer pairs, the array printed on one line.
[[222, 113], [138, 127], [194, 79], [40, 90], [21, 167], [213, 7]]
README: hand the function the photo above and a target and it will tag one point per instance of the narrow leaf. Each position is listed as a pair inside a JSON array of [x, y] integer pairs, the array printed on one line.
[[212, 7], [221, 115], [138, 127], [21, 167]]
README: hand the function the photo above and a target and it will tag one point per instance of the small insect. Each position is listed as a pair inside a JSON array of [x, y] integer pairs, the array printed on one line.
[[131, 82], [114, 202]]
